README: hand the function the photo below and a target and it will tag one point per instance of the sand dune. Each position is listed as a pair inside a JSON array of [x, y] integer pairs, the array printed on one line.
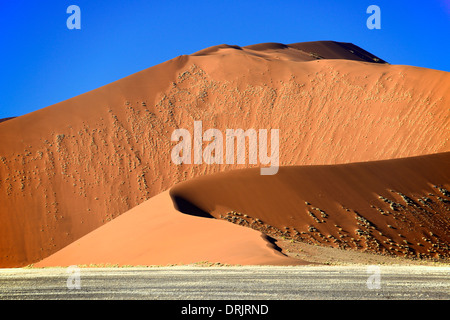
[[70, 168], [394, 207], [154, 233]]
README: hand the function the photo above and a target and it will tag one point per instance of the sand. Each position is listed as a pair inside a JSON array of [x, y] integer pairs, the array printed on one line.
[[392, 207], [397, 207], [75, 166], [154, 233]]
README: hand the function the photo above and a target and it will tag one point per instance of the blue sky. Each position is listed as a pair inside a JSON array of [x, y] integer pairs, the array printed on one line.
[[42, 62]]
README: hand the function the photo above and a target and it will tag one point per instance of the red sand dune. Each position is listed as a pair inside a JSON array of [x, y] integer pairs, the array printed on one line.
[[154, 233], [70, 168], [397, 207], [333, 205]]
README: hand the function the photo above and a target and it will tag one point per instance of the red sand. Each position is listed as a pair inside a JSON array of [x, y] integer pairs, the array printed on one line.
[[70, 168], [154, 233], [345, 200], [400, 207]]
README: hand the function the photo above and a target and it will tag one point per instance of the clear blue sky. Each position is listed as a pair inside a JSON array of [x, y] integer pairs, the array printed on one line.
[[42, 62]]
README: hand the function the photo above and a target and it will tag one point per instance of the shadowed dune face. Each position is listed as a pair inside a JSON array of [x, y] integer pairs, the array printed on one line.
[[396, 207], [336, 50], [6, 119], [71, 167], [303, 51], [187, 207]]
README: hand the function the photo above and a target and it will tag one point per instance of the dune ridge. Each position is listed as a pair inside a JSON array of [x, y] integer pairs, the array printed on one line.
[[6, 119], [302, 51]]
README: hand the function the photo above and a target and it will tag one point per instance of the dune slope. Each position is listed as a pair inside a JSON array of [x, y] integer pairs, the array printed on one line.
[[396, 207], [154, 233]]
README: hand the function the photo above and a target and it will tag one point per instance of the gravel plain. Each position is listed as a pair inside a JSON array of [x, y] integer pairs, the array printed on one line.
[[221, 283]]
